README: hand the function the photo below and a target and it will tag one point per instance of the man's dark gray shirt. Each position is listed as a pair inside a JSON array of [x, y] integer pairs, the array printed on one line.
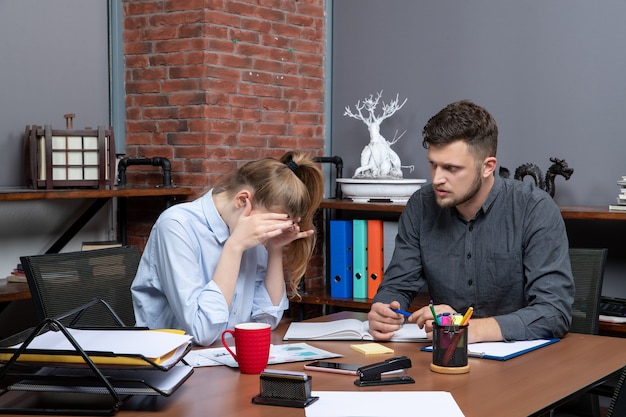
[[510, 262]]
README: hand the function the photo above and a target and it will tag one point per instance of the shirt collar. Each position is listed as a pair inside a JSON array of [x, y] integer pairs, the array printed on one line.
[[213, 218], [498, 184]]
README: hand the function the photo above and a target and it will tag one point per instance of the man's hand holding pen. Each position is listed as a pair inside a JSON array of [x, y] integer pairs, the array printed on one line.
[[385, 319]]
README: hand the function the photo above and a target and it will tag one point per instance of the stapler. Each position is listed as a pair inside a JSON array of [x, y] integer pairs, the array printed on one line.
[[371, 375]]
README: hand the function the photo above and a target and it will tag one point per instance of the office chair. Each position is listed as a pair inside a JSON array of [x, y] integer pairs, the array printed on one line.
[[588, 271], [61, 282]]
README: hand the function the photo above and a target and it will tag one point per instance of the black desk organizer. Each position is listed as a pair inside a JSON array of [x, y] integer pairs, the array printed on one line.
[[76, 389]]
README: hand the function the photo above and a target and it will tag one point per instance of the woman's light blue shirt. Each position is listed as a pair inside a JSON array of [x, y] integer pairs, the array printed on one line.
[[174, 285]]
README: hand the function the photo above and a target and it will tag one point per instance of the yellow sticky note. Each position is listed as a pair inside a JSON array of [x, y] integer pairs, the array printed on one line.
[[372, 349]]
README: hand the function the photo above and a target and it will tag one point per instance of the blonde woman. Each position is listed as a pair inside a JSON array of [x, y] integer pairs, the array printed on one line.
[[217, 261]]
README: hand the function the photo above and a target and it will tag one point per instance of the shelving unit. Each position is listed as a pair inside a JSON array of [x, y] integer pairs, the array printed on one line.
[[346, 208]]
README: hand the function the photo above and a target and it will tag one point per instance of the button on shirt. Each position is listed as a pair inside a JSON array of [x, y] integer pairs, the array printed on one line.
[[510, 262], [174, 288]]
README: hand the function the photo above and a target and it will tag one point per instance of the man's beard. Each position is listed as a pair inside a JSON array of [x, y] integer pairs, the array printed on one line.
[[453, 202]]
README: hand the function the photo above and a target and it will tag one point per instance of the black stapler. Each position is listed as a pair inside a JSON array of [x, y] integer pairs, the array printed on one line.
[[370, 375]]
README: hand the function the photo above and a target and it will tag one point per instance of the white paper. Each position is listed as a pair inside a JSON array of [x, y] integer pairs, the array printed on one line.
[[382, 404], [151, 344], [293, 352]]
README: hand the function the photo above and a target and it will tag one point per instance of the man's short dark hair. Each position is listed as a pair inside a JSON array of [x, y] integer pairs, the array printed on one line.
[[466, 121]]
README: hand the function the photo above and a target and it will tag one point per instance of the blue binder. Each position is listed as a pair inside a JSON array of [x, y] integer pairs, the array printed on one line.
[[359, 258], [341, 258]]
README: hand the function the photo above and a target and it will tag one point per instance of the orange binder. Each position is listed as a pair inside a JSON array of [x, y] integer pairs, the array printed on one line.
[[375, 256]]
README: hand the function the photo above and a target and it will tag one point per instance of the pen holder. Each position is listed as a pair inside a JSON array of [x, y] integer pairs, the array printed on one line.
[[449, 349]]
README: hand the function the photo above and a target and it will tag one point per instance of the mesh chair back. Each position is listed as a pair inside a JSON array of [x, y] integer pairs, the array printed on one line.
[[60, 282], [588, 271]]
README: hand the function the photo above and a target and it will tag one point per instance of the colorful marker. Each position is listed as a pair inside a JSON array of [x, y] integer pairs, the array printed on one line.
[[432, 310], [467, 316]]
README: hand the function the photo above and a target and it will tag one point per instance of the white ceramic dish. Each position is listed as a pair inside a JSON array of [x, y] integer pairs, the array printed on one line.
[[362, 190]]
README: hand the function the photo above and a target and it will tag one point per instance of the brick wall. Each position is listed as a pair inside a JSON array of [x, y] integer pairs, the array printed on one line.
[[211, 84]]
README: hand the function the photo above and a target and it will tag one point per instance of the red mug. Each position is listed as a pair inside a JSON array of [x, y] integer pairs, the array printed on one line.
[[252, 346]]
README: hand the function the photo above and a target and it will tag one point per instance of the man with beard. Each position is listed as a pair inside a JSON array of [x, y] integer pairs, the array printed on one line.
[[476, 239]]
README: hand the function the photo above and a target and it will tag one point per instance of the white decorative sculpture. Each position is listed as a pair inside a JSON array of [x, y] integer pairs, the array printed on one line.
[[378, 160]]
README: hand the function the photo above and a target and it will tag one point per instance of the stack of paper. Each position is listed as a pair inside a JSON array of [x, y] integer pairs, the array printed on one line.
[[108, 347], [621, 197]]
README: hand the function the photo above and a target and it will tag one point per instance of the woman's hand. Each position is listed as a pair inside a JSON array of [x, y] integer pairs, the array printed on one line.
[[257, 228]]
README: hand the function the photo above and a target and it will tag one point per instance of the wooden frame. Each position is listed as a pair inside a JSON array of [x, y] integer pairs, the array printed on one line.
[[69, 158]]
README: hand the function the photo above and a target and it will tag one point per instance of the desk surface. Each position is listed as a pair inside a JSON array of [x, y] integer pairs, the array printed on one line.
[[523, 386], [12, 291]]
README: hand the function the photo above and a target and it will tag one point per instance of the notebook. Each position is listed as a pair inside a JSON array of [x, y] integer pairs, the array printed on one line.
[[348, 329]]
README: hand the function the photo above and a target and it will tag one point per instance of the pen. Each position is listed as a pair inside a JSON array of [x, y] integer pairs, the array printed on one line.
[[432, 310], [467, 316], [399, 311]]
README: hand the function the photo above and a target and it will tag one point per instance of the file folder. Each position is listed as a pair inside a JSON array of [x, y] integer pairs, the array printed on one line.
[[340, 258], [375, 256], [359, 243], [390, 230]]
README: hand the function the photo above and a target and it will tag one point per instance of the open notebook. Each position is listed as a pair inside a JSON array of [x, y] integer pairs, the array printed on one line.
[[348, 329]]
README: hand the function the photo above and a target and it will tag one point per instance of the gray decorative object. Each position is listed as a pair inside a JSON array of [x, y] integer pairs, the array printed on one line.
[[558, 167]]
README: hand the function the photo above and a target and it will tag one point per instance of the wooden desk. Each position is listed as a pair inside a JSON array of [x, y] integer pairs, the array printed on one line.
[[524, 386], [100, 197], [13, 291]]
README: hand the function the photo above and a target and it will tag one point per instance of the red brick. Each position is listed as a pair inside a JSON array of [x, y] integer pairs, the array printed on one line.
[[283, 143], [198, 125], [160, 33], [189, 71], [185, 99], [255, 141], [149, 100], [174, 125], [216, 112], [174, 5], [267, 65], [260, 90], [160, 112], [256, 77], [222, 73], [190, 31], [275, 15], [185, 152], [144, 7], [138, 87], [243, 36], [172, 45], [272, 129], [181, 85], [222, 18], [240, 8], [136, 61], [181, 139], [221, 45], [148, 74], [244, 101], [167, 60], [276, 117], [257, 25]]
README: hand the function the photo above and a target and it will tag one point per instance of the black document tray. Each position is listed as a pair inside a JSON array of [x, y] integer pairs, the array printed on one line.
[[85, 389]]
